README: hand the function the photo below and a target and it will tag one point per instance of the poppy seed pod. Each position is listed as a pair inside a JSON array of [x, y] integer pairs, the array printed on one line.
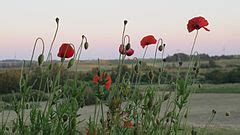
[[70, 63], [57, 20], [86, 45], [40, 59], [128, 46], [160, 48]]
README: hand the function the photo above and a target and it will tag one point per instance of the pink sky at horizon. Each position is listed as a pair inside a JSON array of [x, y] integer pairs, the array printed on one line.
[[102, 22]]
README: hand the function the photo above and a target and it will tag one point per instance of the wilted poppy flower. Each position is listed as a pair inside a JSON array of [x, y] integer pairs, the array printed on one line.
[[197, 23], [65, 51], [130, 52], [147, 40], [103, 79]]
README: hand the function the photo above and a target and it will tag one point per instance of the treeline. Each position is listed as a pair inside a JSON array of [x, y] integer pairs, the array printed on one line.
[[9, 79]]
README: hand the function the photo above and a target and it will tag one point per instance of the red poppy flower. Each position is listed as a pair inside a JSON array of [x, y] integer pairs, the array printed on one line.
[[147, 40], [197, 23], [67, 50], [103, 79], [130, 52]]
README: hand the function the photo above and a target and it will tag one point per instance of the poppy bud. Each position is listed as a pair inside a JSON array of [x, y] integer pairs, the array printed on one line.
[[40, 59], [50, 66], [57, 20], [86, 45], [150, 75], [166, 96], [180, 63], [140, 62], [164, 60], [195, 64], [128, 46], [122, 49], [160, 48], [227, 114], [65, 118], [125, 22], [70, 63], [136, 68], [214, 111]]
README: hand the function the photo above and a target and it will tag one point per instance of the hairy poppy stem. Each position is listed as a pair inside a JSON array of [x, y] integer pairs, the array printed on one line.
[[34, 47], [191, 58], [54, 37], [160, 39], [144, 53]]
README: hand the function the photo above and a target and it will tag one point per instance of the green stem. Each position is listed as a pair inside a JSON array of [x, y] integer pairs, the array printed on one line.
[[155, 55], [190, 62], [54, 37], [34, 47]]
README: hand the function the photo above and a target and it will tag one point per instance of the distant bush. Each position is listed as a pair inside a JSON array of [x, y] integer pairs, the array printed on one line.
[[9, 81], [218, 76], [34, 95]]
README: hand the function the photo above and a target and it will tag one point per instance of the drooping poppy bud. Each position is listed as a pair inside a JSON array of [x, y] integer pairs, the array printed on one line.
[[86, 45], [40, 59], [122, 49], [125, 22], [160, 48], [57, 20], [130, 52], [70, 63], [128, 46]]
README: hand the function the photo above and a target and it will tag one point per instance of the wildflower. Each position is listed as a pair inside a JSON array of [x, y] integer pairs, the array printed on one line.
[[197, 23], [128, 124], [147, 40], [65, 51], [103, 79], [130, 52]]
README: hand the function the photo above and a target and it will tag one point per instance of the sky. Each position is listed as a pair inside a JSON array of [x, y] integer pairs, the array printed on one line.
[[101, 21]]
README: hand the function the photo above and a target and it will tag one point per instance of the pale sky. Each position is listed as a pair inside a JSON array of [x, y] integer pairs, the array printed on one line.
[[22, 21]]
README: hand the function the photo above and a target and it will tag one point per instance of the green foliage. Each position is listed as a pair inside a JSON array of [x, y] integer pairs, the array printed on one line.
[[9, 81]]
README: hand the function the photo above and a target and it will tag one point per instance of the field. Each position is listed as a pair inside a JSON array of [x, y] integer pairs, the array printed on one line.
[[201, 106]]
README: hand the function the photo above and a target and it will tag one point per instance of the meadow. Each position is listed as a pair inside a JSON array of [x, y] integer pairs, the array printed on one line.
[[179, 94]]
